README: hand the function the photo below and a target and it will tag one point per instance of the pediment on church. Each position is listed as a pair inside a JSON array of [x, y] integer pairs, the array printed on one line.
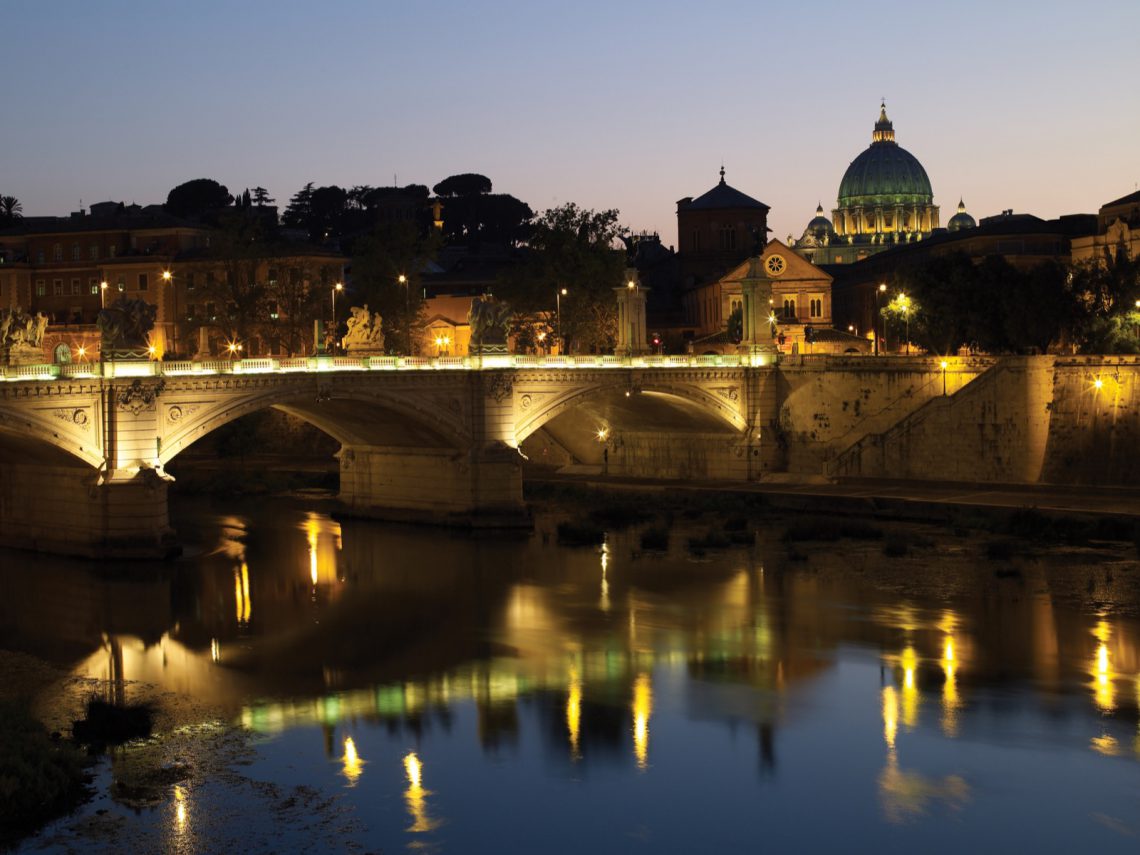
[[781, 264]]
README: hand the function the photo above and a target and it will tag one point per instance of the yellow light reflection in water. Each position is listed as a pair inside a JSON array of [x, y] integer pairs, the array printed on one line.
[[180, 813], [241, 593], [353, 765], [416, 796], [909, 689], [951, 702], [642, 710], [312, 530], [574, 712], [605, 602], [890, 716], [215, 650], [1104, 690]]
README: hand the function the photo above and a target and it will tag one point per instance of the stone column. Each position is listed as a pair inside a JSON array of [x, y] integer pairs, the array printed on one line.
[[632, 338], [755, 292]]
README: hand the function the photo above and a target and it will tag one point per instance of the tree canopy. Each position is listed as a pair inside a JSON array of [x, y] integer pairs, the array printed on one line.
[[200, 199], [466, 184], [571, 248]]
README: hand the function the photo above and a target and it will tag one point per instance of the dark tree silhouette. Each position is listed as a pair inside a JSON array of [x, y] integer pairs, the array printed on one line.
[[198, 199]]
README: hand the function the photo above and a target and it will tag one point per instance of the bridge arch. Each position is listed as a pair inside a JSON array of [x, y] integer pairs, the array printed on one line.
[[694, 404], [64, 434], [351, 415]]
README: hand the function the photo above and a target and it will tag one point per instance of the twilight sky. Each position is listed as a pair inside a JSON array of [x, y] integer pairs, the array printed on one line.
[[1023, 104]]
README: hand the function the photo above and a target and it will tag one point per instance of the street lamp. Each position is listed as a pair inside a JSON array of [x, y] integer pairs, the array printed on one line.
[[558, 295], [339, 286], [944, 366], [882, 289], [905, 306], [103, 294], [168, 278], [403, 280]]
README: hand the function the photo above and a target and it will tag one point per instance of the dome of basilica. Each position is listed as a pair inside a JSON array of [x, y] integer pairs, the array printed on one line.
[[885, 174], [961, 220]]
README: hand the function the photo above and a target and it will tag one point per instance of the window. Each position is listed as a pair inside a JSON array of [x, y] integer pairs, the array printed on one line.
[[211, 311], [76, 287], [696, 240], [728, 237], [39, 256], [143, 281], [93, 252], [112, 251], [815, 307], [57, 252], [273, 313], [41, 288], [57, 287], [790, 308], [76, 252], [191, 312], [211, 280], [272, 275], [93, 286], [191, 281], [121, 284]]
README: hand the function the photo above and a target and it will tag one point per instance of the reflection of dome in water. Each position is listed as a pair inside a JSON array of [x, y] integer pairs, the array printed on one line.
[[961, 220]]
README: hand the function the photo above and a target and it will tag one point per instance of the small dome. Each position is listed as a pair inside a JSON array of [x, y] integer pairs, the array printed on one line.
[[820, 226], [961, 220]]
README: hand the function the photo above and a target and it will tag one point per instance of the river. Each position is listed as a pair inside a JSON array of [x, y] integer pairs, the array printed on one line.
[[363, 687]]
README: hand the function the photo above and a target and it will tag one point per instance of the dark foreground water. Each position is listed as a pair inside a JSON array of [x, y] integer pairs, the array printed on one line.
[[362, 687]]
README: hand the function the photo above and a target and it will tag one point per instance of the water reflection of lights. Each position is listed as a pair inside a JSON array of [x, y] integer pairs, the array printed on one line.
[[605, 602], [909, 689], [574, 712], [215, 650], [642, 709], [180, 813], [323, 537], [951, 702], [1104, 690], [890, 716], [241, 594], [353, 765], [416, 796]]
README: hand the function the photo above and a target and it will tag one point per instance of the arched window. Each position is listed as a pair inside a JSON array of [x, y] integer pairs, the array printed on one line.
[[62, 354], [790, 308]]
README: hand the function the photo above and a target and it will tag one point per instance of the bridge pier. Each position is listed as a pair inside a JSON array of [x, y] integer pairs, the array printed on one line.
[[481, 487], [74, 511]]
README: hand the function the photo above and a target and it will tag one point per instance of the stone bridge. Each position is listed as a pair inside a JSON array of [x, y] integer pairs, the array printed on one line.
[[83, 447]]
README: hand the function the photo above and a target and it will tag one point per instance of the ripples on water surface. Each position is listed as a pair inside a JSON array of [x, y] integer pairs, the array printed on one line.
[[414, 688]]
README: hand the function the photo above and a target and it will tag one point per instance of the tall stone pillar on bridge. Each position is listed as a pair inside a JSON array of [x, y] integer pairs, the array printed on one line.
[[632, 339], [756, 294]]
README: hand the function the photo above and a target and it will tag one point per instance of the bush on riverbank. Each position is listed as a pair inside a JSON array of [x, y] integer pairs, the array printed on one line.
[[40, 777]]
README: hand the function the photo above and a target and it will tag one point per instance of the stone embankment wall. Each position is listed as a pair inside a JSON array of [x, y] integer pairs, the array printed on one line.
[[1028, 420], [827, 403]]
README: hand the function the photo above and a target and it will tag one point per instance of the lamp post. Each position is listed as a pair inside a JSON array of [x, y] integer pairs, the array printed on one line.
[[631, 286], [168, 278], [403, 280], [906, 320], [558, 295], [882, 289], [339, 286], [944, 366], [103, 294]]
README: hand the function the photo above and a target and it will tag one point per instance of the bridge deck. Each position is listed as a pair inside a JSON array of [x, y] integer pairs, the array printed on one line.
[[316, 364]]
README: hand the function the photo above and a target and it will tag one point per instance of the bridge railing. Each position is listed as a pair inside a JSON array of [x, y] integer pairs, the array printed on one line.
[[324, 363]]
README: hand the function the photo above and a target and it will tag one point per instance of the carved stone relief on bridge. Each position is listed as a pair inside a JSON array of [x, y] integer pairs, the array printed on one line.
[[501, 387], [139, 396], [78, 416]]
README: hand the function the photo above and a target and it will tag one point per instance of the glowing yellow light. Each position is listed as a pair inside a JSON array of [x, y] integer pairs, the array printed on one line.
[[81, 351], [945, 364], [215, 650], [890, 716], [602, 434], [951, 702], [166, 276], [180, 808], [909, 689], [948, 650], [630, 284], [574, 712], [312, 530], [642, 709], [416, 796], [605, 603], [1098, 383], [1104, 689], [353, 765]]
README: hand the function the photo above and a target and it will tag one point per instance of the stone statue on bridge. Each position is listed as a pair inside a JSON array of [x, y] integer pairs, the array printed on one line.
[[124, 327], [21, 337], [365, 336], [490, 322]]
